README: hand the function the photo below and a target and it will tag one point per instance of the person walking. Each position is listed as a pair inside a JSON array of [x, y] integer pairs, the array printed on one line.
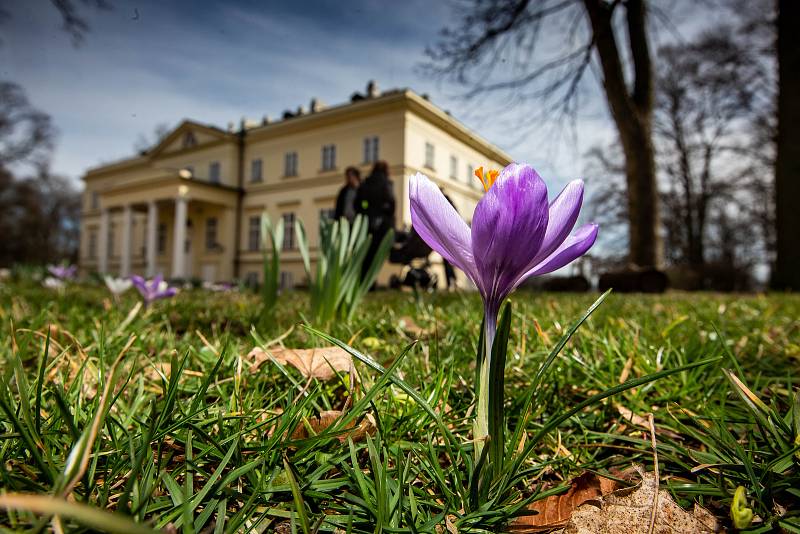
[[346, 199], [375, 200]]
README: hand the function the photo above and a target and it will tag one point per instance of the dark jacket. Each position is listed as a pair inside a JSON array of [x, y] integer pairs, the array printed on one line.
[[375, 199], [345, 208]]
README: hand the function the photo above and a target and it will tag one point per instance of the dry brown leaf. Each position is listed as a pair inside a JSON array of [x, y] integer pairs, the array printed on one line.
[[326, 419], [410, 327], [628, 414], [629, 513], [322, 363], [153, 372], [626, 371], [556, 510], [643, 422]]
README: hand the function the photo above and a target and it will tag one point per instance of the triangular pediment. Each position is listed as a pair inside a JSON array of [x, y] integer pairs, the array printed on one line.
[[186, 136]]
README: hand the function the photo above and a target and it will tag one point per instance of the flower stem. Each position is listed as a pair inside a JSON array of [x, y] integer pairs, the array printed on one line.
[[481, 425]]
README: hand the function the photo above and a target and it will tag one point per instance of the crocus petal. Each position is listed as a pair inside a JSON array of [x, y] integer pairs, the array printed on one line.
[[573, 247], [439, 224], [508, 227], [563, 213]]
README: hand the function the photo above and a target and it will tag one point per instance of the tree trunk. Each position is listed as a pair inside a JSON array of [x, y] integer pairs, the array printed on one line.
[[787, 164], [632, 112], [640, 175]]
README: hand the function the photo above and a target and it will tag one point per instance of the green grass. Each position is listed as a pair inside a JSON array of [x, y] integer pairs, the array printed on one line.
[[204, 446]]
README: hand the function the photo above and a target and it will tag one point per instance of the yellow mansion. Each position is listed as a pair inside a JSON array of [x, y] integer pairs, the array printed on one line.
[[190, 206]]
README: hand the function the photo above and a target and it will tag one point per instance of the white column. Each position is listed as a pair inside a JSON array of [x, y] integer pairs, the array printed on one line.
[[179, 238], [102, 249], [127, 242], [152, 242]]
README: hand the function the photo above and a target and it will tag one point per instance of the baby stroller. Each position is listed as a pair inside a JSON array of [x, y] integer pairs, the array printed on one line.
[[412, 252]]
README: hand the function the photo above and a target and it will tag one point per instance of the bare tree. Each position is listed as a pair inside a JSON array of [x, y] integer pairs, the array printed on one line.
[[39, 218], [489, 34], [26, 134], [144, 142], [787, 165], [72, 20], [606, 204], [705, 103], [713, 134], [38, 212]]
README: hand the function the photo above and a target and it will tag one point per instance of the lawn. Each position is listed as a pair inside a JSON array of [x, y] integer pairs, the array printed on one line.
[[190, 433]]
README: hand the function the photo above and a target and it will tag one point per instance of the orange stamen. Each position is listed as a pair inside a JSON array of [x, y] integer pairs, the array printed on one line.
[[487, 178]]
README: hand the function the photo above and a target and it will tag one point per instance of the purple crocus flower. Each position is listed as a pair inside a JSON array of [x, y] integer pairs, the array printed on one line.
[[515, 234], [63, 272], [152, 290]]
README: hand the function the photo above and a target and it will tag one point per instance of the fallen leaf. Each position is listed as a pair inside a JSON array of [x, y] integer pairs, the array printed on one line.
[[410, 327], [630, 513], [638, 420], [628, 414], [322, 363], [329, 417], [626, 371], [556, 510], [154, 372]]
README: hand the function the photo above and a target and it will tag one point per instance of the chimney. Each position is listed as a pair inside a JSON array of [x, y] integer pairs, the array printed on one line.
[[372, 89], [316, 105], [300, 111], [265, 120]]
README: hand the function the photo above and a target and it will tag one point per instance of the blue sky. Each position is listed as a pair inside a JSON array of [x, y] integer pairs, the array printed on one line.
[[148, 62]]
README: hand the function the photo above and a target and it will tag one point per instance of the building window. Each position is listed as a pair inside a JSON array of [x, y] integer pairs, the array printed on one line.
[[111, 244], [213, 172], [92, 244], [95, 200], [254, 233], [327, 214], [288, 231], [429, 156], [371, 149], [211, 233], [161, 238], [287, 280], [328, 157], [189, 140], [255, 171], [290, 164], [454, 167], [471, 180]]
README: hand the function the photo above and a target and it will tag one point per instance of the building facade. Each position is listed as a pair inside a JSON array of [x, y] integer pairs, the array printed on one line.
[[190, 207]]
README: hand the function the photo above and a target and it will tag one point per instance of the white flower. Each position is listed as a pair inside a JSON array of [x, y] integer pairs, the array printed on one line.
[[53, 283], [117, 286]]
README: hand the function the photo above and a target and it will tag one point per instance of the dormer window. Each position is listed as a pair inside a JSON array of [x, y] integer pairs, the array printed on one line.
[[189, 140]]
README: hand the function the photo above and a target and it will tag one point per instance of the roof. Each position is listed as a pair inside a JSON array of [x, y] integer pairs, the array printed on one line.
[[399, 98]]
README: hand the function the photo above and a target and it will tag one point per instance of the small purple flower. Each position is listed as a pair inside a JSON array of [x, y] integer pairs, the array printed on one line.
[[152, 290], [515, 234], [63, 272]]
